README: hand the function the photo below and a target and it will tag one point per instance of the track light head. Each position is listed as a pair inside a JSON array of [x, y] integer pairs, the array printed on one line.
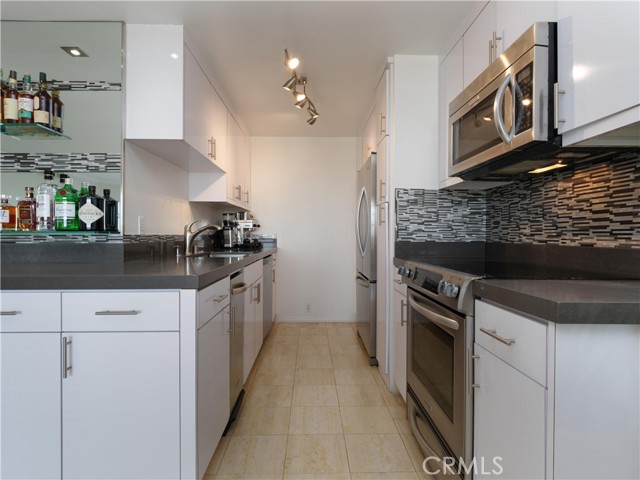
[[312, 120], [290, 62], [301, 103], [290, 84]]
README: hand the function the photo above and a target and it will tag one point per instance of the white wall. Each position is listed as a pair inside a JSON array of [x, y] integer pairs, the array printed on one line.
[[304, 191]]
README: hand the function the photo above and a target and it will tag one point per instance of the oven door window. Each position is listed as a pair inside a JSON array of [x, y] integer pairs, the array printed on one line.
[[433, 360]]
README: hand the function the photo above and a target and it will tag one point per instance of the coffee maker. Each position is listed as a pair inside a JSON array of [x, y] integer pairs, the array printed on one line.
[[246, 224], [229, 230]]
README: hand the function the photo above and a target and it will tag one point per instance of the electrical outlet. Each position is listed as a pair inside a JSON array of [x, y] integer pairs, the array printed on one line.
[[308, 308], [140, 225]]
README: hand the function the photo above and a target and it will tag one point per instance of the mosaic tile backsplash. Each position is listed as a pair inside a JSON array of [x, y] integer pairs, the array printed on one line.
[[594, 205], [61, 162]]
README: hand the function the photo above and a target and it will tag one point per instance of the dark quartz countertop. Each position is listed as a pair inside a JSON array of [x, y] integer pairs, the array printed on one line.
[[166, 272]]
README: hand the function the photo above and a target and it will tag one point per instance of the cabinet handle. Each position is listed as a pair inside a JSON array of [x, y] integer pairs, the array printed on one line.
[[66, 363], [231, 329], [403, 309], [219, 298], [495, 46], [118, 312], [246, 194], [239, 189], [214, 149], [493, 334], [556, 96], [383, 127], [381, 219], [10, 312], [258, 292], [397, 281], [490, 52], [382, 190]]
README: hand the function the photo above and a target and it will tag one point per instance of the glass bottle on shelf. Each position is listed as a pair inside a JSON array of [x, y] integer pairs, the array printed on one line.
[[7, 214], [84, 189], [25, 100], [27, 211], [42, 103], [10, 102], [57, 111], [66, 207], [90, 214], [45, 196], [110, 212]]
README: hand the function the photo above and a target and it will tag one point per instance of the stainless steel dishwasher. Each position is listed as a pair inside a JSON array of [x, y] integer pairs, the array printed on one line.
[[238, 289], [267, 281]]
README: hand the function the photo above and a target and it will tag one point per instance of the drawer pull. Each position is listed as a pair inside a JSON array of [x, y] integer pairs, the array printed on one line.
[[66, 361], [10, 312], [220, 298], [118, 312], [492, 333]]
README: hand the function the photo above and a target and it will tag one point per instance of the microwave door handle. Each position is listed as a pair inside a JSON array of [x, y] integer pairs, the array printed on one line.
[[497, 108], [433, 316]]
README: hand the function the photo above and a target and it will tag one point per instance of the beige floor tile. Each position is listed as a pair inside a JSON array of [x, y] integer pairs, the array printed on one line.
[[314, 361], [314, 376], [314, 396], [359, 395], [280, 348], [285, 338], [262, 421], [377, 453], [415, 454], [339, 329], [313, 340], [317, 476], [243, 476], [284, 328], [372, 419], [313, 329], [277, 362], [346, 349], [274, 377], [377, 375], [270, 396], [315, 420], [384, 476], [399, 415], [254, 454], [350, 361], [314, 349], [316, 454], [391, 399], [214, 464], [343, 339], [354, 376]]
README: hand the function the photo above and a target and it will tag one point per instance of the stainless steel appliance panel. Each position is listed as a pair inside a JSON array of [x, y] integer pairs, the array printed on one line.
[[267, 281], [366, 314], [366, 219], [238, 289]]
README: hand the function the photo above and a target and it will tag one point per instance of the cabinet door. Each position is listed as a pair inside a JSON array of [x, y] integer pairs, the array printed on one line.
[[399, 319], [514, 18], [120, 406], [476, 43], [234, 188], [451, 85], [369, 141], [30, 413], [381, 106], [508, 405], [599, 73], [382, 287], [197, 93], [382, 173], [258, 303], [243, 169], [218, 129], [213, 386], [248, 348]]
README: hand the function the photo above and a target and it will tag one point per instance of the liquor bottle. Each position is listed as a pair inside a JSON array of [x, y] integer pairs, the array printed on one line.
[[10, 102], [84, 189], [7, 213], [45, 195], [90, 215], [110, 212], [27, 211], [66, 207], [57, 111], [25, 101], [42, 103]]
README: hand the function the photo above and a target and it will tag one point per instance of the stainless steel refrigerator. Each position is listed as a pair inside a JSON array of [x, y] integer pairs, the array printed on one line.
[[366, 256]]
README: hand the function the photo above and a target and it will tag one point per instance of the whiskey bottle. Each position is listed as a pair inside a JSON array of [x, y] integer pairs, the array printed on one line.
[[66, 207], [45, 195], [7, 214], [10, 102], [110, 212], [27, 211], [42, 103], [57, 111], [90, 215], [25, 101]]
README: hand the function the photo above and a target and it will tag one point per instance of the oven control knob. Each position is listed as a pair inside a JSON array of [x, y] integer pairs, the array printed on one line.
[[448, 289], [404, 272]]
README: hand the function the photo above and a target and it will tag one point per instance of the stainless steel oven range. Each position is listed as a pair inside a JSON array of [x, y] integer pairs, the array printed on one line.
[[439, 355]]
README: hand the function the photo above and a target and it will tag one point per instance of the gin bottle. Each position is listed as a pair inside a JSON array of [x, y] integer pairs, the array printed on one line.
[[90, 215], [110, 212], [66, 207], [45, 196]]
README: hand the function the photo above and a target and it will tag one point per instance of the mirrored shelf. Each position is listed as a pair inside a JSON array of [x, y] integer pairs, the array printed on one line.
[[30, 130]]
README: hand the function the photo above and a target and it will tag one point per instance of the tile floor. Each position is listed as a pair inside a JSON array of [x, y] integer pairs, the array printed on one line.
[[315, 409]]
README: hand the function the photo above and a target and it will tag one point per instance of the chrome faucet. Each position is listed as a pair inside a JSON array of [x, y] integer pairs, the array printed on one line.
[[190, 236]]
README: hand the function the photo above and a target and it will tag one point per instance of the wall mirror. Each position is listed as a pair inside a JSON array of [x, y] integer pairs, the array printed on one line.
[[91, 90]]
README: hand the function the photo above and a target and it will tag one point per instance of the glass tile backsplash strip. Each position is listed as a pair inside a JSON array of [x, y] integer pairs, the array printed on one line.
[[593, 205], [61, 162]]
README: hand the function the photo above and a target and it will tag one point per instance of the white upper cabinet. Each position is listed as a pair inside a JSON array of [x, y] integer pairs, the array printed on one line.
[[598, 67], [478, 43], [514, 18], [381, 110], [450, 86]]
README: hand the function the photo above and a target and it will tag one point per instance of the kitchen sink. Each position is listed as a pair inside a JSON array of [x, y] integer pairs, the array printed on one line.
[[234, 255]]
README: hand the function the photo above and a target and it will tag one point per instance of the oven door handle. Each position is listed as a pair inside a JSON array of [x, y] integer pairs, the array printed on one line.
[[433, 316], [431, 453]]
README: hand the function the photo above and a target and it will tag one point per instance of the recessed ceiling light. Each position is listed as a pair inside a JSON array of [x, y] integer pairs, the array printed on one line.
[[74, 51]]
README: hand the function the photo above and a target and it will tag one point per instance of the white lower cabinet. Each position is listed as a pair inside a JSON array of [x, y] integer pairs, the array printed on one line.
[[253, 317], [121, 405], [30, 400], [509, 427], [399, 319], [382, 288]]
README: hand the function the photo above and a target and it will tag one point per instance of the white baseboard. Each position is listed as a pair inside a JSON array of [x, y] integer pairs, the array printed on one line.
[[315, 319]]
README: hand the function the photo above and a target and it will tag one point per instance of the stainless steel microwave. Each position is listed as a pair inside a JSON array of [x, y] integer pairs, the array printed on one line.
[[505, 122]]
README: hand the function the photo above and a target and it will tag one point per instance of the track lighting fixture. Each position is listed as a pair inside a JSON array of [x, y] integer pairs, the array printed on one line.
[[300, 97]]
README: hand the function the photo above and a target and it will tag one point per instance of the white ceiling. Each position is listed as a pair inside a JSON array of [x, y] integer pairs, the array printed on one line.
[[343, 47]]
